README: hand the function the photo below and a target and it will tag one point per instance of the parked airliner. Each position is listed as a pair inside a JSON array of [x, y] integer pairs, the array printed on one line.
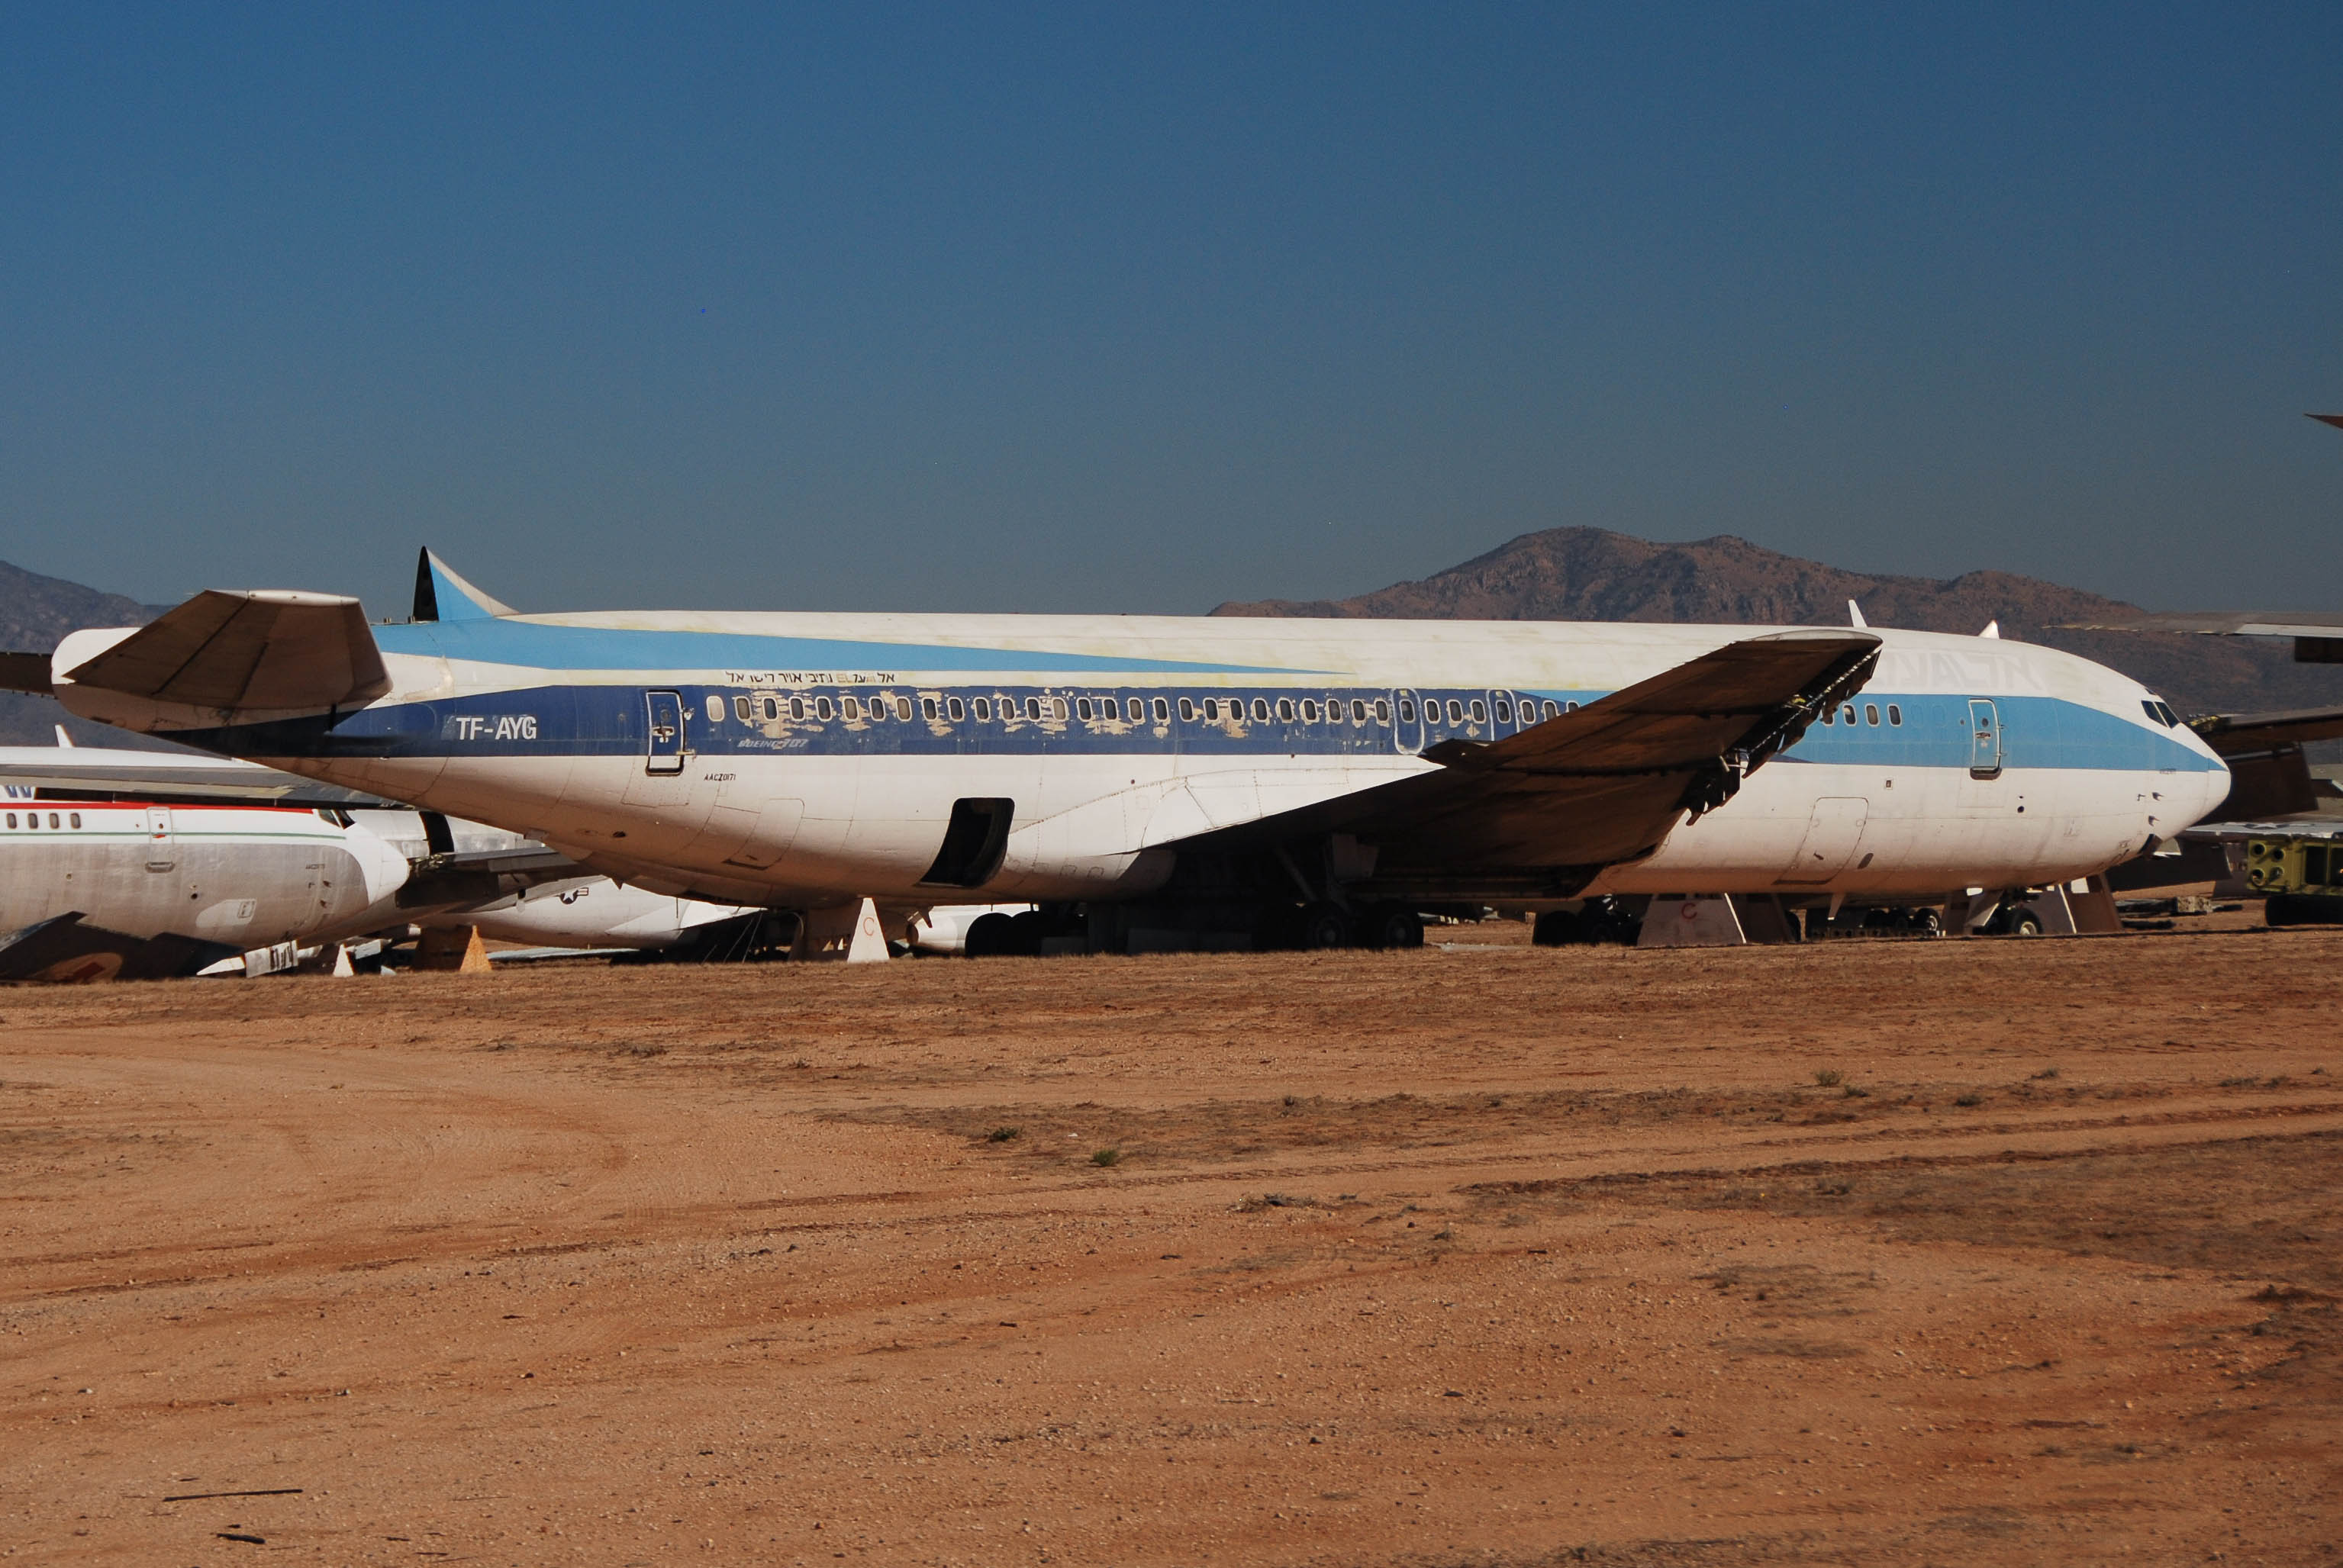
[[1159, 781]]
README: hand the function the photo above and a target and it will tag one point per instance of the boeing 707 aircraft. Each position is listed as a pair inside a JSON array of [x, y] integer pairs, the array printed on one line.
[[1168, 781]]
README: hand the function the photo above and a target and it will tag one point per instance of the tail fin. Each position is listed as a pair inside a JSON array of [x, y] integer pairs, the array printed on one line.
[[441, 595]]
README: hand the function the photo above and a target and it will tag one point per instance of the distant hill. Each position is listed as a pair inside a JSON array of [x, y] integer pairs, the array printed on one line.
[[35, 613], [1589, 574]]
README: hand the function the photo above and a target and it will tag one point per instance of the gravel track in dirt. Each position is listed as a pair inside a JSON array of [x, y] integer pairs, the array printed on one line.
[[1893, 1251]]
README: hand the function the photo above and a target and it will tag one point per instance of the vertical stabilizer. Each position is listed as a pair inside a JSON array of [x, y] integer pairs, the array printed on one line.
[[441, 595]]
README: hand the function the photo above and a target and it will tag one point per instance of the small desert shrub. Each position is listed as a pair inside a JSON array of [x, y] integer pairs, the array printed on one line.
[[1829, 1077], [1004, 1135], [1971, 1097], [1106, 1157]]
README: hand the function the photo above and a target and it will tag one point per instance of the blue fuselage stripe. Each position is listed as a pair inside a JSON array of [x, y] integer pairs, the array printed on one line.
[[1935, 731]]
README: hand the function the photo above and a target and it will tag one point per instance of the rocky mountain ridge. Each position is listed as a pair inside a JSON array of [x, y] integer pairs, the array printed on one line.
[[1593, 574]]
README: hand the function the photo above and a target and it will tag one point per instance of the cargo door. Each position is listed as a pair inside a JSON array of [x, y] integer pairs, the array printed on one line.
[[1833, 833], [1985, 739], [161, 843]]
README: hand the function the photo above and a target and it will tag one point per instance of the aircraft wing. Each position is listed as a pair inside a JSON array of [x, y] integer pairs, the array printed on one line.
[[89, 772], [468, 879], [63, 948], [2318, 635], [255, 650], [2228, 733], [1548, 808]]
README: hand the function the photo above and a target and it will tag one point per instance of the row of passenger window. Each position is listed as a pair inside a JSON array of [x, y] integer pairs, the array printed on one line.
[[32, 819], [1137, 710], [1845, 715]]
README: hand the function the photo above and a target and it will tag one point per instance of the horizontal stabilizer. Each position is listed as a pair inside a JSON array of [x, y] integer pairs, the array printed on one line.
[[253, 651]]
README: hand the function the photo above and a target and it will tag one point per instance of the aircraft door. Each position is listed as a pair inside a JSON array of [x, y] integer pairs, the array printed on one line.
[[161, 843], [1407, 723], [664, 747], [1985, 739]]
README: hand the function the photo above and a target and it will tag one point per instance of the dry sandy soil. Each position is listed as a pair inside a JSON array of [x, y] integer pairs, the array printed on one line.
[[1963, 1251]]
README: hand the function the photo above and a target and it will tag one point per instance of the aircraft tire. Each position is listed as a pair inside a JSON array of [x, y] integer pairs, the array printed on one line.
[[2022, 922], [1557, 928], [1325, 926], [1393, 928], [1026, 930], [991, 936]]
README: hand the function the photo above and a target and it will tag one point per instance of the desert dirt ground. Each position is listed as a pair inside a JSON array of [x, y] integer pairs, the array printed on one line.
[[1896, 1251]]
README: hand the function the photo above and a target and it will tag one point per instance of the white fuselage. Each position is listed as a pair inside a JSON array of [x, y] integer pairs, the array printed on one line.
[[808, 759], [244, 877]]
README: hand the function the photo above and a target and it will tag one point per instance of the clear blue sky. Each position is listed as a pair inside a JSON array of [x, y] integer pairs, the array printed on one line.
[[1139, 309]]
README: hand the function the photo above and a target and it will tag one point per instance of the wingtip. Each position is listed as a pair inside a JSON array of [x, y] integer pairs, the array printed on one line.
[[2334, 419]]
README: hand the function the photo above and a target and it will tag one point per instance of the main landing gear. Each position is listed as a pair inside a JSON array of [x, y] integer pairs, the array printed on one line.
[[1322, 927]]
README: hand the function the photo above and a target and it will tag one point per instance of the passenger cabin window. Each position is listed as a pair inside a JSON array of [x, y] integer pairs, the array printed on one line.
[[903, 708], [773, 708], [1285, 709], [1033, 708], [1162, 711], [1406, 711], [824, 708], [1133, 709], [957, 709], [796, 708], [12, 818], [1849, 711], [1480, 711], [1082, 707], [1260, 709], [1566, 707], [1504, 711], [927, 706], [1187, 708], [76, 818], [1871, 713], [1358, 711], [1212, 710], [1456, 711], [1382, 710], [1895, 714], [1310, 710], [1830, 716], [984, 708], [853, 706], [742, 712], [52, 818]]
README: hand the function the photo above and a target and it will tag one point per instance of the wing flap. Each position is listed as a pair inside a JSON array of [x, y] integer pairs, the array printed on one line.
[[248, 650]]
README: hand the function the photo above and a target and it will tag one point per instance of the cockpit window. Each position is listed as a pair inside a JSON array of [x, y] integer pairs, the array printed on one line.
[[2161, 711]]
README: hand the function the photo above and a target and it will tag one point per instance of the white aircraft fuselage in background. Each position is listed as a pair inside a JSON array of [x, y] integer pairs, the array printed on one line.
[[239, 877], [808, 759]]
